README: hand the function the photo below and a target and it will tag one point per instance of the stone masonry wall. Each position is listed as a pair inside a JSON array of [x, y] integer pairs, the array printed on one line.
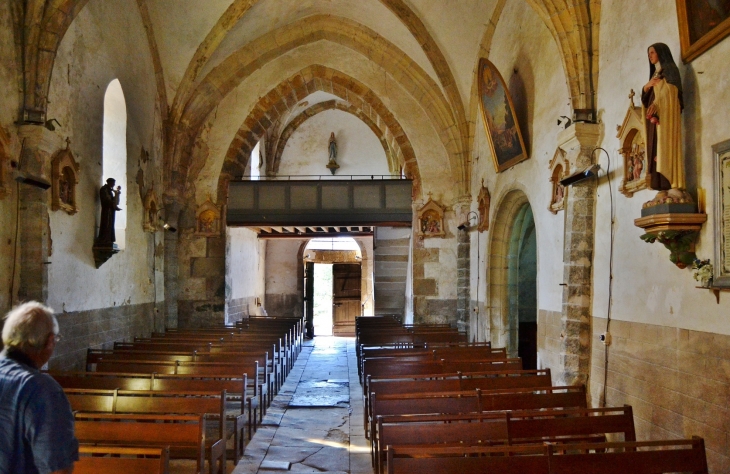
[[99, 329]]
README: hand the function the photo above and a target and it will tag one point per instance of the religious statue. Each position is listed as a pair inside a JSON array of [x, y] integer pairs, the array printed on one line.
[[333, 147], [109, 206], [332, 165], [663, 104]]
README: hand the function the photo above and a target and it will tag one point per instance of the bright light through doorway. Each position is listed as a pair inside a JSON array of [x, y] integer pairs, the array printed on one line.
[[322, 299]]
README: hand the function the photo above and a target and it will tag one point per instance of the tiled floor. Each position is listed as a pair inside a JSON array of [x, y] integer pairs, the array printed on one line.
[[310, 426]]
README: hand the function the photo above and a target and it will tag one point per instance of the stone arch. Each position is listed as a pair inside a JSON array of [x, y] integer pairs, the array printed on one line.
[[43, 24], [284, 97], [237, 67], [574, 25], [500, 329], [573, 30]]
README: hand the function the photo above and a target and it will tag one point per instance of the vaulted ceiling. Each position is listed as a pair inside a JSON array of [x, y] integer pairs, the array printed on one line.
[[380, 59]]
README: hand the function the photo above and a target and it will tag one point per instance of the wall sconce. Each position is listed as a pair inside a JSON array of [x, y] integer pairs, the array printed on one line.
[[466, 225]]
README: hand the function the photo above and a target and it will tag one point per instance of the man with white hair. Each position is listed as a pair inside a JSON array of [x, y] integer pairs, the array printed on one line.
[[36, 421]]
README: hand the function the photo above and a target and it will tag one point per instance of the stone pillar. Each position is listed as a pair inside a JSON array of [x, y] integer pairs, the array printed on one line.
[[463, 279], [38, 146], [578, 141], [172, 217]]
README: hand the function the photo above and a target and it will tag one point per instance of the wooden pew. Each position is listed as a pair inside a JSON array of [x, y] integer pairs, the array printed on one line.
[[381, 369], [472, 401], [122, 460], [183, 435], [516, 427], [444, 353], [232, 369], [454, 382], [234, 386], [648, 457], [211, 404], [468, 460]]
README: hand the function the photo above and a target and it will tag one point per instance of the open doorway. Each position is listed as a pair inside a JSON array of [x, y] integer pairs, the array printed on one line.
[[333, 286], [322, 303]]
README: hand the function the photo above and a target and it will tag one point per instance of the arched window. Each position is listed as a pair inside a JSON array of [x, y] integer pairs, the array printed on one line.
[[256, 161], [114, 152]]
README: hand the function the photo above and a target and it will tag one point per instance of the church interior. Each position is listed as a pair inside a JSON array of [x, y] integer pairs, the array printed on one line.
[[551, 177]]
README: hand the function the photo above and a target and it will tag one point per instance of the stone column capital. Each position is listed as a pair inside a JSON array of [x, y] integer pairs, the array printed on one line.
[[579, 135], [40, 138]]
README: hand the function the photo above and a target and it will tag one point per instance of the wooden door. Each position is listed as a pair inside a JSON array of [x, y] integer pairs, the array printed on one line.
[[309, 299], [346, 281]]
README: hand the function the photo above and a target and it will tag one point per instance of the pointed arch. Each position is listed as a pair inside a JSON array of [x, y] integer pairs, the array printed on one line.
[[285, 96]]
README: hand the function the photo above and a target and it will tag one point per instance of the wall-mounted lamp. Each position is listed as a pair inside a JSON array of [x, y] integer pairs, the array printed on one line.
[[582, 175], [31, 180], [49, 124], [466, 225], [166, 226]]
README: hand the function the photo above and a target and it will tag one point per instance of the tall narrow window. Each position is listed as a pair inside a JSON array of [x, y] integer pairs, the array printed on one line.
[[114, 152], [256, 162]]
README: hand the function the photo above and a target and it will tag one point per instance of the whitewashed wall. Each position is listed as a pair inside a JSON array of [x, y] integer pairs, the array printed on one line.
[[93, 52], [359, 151]]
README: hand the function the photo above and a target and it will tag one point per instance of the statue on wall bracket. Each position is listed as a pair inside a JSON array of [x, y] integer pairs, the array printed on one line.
[[104, 246], [632, 139], [662, 104], [671, 218], [65, 177], [559, 167], [431, 219], [483, 201], [208, 220], [332, 150]]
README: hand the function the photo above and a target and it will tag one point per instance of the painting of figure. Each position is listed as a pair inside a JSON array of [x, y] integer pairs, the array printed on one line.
[[702, 24], [502, 129]]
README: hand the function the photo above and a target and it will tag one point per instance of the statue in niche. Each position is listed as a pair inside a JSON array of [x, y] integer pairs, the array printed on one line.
[[64, 173], [151, 211], [558, 166], [662, 100], [65, 194], [431, 220], [208, 219], [332, 164], [109, 206], [483, 201]]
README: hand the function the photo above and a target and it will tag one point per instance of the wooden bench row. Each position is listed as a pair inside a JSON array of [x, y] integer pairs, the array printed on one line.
[[648, 457], [143, 395]]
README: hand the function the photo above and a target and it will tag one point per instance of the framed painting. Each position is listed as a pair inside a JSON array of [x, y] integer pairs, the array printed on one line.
[[498, 114], [721, 269], [702, 24]]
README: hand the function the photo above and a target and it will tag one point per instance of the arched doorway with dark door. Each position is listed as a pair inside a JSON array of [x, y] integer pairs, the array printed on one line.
[[522, 286], [512, 279]]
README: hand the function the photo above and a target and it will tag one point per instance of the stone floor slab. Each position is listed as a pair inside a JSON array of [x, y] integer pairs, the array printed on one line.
[[310, 421]]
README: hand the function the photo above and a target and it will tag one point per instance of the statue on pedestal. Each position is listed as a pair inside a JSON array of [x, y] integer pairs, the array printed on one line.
[[662, 100]]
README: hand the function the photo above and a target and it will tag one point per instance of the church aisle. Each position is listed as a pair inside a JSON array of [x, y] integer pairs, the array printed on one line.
[[315, 422]]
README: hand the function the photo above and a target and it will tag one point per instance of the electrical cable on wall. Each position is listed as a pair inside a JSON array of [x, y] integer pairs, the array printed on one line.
[[17, 230], [610, 272]]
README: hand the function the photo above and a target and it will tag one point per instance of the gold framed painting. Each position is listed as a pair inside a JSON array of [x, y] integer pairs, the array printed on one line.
[[500, 122], [702, 24]]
